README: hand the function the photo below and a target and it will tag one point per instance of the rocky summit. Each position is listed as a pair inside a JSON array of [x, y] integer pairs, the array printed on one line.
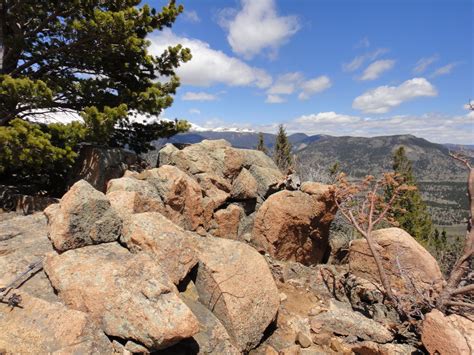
[[211, 252]]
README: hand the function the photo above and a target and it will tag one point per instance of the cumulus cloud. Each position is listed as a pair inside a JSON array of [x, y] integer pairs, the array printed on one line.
[[257, 27], [359, 60], [210, 66], [374, 70], [385, 98], [290, 83], [274, 99], [198, 96], [286, 84], [192, 16], [314, 86], [424, 63], [444, 70]]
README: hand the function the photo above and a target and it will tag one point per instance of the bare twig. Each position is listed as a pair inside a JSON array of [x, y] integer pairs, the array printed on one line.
[[462, 265]]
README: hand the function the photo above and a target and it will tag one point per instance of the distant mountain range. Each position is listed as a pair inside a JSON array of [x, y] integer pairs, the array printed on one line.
[[440, 179]]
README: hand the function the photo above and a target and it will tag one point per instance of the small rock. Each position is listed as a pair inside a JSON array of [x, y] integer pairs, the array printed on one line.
[[303, 340], [291, 350], [315, 311], [345, 322], [322, 338], [270, 350], [283, 297], [447, 334], [316, 325], [339, 347], [135, 348]]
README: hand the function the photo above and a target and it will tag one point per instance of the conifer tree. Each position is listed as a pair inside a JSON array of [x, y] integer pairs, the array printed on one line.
[[410, 211], [282, 150], [90, 57], [261, 144]]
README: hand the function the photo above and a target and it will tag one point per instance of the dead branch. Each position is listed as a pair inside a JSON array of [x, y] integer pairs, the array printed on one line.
[[462, 265], [364, 208]]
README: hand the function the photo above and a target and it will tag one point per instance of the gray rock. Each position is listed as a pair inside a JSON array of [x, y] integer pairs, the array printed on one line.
[[345, 322], [83, 217]]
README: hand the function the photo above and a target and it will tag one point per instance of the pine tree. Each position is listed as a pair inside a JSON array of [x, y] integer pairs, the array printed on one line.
[[89, 57], [410, 211], [282, 150], [261, 144]]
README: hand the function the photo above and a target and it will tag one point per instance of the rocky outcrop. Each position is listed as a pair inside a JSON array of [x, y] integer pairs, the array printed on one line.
[[410, 267], [447, 335], [128, 295], [186, 277], [293, 225], [41, 327], [234, 282], [83, 217], [97, 165], [225, 175]]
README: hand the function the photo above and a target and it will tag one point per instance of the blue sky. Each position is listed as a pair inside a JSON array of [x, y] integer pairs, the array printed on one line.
[[362, 68]]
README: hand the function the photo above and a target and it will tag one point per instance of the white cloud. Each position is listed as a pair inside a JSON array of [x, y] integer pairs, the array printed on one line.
[[424, 63], [286, 84], [191, 16], [209, 66], [432, 126], [274, 99], [314, 86], [374, 70], [384, 98], [198, 96], [358, 61], [444, 70], [330, 117], [257, 27], [289, 83], [194, 111]]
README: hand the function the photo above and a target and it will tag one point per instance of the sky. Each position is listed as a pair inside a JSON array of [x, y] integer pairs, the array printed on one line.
[[338, 67]]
